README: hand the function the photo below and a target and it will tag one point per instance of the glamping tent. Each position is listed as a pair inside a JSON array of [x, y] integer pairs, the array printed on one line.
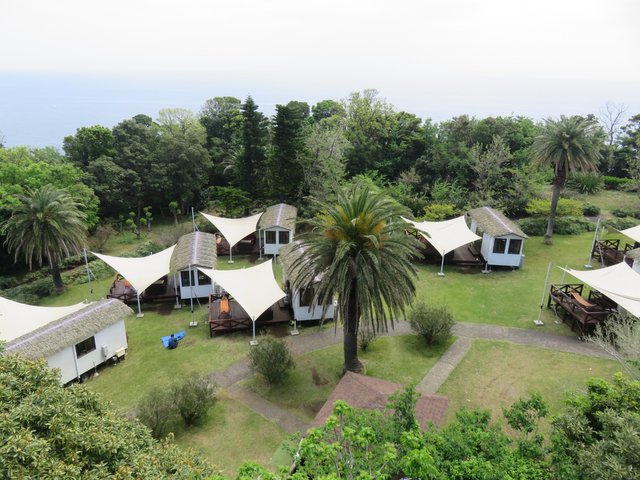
[[234, 229], [502, 240], [300, 298], [194, 250], [254, 289], [74, 339], [277, 227], [445, 236]]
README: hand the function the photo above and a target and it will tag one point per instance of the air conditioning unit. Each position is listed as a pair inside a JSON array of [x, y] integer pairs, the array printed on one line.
[[105, 351]]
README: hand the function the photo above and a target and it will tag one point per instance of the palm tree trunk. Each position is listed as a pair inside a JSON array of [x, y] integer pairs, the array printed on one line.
[[558, 184], [350, 329], [58, 284]]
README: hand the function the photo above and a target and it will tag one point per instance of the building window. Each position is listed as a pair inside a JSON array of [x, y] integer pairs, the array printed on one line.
[[515, 246], [85, 346], [186, 278], [306, 297], [499, 245], [270, 237], [203, 279], [283, 238]]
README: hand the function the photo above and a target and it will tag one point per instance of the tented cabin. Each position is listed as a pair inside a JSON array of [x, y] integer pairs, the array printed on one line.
[[277, 227], [193, 250], [300, 299], [76, 343], [502, 240]]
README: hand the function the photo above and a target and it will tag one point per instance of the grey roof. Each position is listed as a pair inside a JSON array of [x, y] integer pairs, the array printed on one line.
[[195, 248], [70, 329], [494, 223], [281, 215]]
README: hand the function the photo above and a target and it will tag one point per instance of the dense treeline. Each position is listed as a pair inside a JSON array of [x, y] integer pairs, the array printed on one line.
[[230, 157]]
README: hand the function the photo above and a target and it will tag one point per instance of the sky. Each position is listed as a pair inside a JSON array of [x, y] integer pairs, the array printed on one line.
[[71, 63]]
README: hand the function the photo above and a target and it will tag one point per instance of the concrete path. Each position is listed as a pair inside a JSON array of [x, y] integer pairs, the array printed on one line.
[[439, 373]]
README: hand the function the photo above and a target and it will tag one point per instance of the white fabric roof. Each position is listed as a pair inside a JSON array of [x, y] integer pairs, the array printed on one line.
[[447, 235], [254, 288], [141, 271], [633, 233], [618, 282], [234, 229], [17, 319]]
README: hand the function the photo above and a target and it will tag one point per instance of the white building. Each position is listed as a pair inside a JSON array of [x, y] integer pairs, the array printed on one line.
[[277, 226], [194, 250], [75, 340], [502, 240]]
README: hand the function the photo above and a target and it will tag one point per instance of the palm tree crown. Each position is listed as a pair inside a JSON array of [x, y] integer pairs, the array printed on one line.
[[570, 144], [46, 225], [357, 252]]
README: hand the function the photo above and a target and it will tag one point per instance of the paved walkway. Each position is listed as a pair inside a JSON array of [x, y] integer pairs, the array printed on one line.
[[431, 383]]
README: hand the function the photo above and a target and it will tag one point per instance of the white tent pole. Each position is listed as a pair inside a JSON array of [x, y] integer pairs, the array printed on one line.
[[230, 254], [191, 280], [260, 243], [441, 272], [86, 262], [140, 314], [193, 219], [544, 294], [593, 244], [253, 342], [175, 290]]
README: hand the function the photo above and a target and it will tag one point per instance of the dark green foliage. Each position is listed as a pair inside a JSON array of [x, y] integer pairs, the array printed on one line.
[[156, 409], [536, 226], [228, 202], [192, 398], [440, 211], [434, 324], [624, 212], [251, 162], [590, 210], [32, 292], [525, 414], [621, 223], [540, 207], [89, 144], [271, 359], [47, 431], [587, 183]]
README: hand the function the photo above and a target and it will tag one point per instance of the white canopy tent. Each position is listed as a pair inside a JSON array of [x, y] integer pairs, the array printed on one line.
[[234, 229], [255, 288], [445, 236], [618, 282], [141, 271], [17, 319], [633, 233]]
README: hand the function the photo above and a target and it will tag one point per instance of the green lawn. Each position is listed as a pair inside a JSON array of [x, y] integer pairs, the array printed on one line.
[[609, 200], [401, 359], [505, 297], [492, 375]]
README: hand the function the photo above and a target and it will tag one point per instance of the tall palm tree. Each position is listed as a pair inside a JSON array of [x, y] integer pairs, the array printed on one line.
[[46, 225], [570, 144], [358, 253]]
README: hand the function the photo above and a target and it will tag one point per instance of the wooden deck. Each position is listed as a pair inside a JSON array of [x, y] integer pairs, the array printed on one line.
[[609, 252], [162, 290], [238, 318], [584, 313]]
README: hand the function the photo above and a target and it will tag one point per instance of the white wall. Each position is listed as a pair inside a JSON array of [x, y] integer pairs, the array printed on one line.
[[274, 248], [197, 291], [302, 314], [114, 337], [502, 259]]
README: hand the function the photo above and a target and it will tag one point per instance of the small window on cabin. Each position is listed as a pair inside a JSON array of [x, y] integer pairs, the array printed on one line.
[[306, 297], [270, 237], [85, 346], [499, 245], [515, 245], [283, 238], [186, 278], [203, 279]]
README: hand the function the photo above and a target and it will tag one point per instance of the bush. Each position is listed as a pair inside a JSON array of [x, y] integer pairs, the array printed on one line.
[[567, 207], [30, 292], [156, 409], [537, 226], [616, 183], [440, 211], [271, 359], [623, 212], [589, 210], [587, 183], [366, 336], [193, 397], [621, 223], [434, 324]]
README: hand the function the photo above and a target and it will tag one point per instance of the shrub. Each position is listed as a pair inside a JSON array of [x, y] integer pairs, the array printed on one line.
[[440, 211], [366, 336], [156, 409], [537, 226], [616, 183], [31, 292], [589, 210], [623, 212], [567, 207], [271, 359], [621, 223], [434, 324], [193, 397], [587, 183]]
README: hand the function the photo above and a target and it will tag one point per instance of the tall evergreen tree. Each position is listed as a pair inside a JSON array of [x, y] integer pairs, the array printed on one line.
[[250, 163]]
